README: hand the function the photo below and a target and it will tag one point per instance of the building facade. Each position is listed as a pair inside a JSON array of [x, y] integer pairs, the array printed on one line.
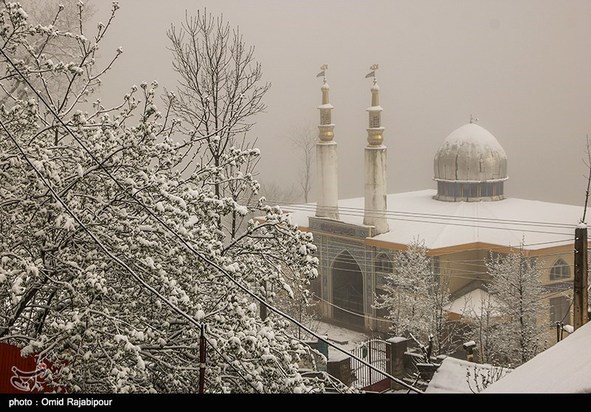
[[461, 222]]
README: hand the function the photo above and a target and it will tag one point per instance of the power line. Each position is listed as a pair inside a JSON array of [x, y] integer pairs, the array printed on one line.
[[434, 217]]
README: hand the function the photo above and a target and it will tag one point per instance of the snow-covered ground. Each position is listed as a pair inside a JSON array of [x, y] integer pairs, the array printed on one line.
[[345, 339]]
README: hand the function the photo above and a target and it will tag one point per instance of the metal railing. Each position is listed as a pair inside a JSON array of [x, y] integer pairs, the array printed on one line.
[[373, 352]]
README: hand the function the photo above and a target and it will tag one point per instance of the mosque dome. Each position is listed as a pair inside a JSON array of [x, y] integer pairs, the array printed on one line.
[[470, 165]]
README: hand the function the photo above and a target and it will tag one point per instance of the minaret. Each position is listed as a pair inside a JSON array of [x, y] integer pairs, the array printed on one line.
[[375, 165], [326, 158]]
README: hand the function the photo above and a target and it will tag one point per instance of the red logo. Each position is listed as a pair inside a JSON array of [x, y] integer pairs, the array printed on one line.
[[23, 374]]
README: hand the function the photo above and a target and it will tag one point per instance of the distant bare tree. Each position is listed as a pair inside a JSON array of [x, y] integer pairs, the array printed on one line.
[[220, 90], [42, 12], [277, 194], [70, 16], [304, 141]]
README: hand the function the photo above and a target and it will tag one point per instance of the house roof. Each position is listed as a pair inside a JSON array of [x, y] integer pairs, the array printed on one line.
[[417, 216], [471, 304]]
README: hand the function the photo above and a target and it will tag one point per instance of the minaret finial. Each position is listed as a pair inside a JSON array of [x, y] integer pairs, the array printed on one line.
[[322, 73], [372, 73], [473, 119]]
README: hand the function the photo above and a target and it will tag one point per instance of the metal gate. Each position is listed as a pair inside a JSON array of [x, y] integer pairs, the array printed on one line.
[[366, 378]]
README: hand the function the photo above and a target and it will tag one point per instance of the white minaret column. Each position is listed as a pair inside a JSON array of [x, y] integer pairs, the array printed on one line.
[[375, 165], [326, 158]]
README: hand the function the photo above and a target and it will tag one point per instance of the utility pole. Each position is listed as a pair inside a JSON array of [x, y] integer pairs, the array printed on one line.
[[580, 290], [580, 293]]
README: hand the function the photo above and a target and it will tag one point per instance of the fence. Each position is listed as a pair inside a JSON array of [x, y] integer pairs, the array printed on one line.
[[373, 352]]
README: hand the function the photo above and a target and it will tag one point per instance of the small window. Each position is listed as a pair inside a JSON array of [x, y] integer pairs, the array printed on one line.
[[436, 265], [560, 270], [374, 120], [498, 189]]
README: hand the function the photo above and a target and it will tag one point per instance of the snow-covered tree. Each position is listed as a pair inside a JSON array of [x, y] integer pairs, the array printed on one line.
[[485, 325], [220, 90], [415, 297], [517, 291], [275, 193], [112, 260]]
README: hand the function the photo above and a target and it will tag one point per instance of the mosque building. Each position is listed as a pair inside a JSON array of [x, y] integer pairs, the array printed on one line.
[[461, 222]]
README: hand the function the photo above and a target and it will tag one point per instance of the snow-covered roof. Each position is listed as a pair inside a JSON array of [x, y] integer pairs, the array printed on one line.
[[460, 376], [470, 153], [471, 303], [563, 368], [416, 215], [474, 135]]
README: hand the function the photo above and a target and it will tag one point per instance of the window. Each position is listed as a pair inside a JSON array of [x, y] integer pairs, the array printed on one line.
[[436, 265], [383, 264], [560, 270], [560, 310], [498, 189], [374, 120], [469, 190]]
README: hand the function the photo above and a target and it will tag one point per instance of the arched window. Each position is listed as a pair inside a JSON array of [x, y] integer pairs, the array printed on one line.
[[560, 270], [383, 264]]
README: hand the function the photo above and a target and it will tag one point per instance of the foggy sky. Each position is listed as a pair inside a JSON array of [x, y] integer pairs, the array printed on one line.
[[522, 67]]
